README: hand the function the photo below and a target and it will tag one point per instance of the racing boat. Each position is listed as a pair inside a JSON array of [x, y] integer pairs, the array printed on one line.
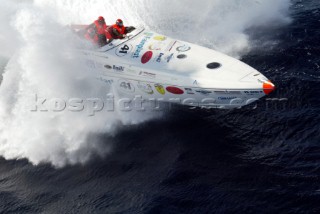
[[154, 66]]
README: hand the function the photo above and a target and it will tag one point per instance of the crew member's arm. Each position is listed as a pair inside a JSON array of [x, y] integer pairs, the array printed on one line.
[[129, 29], [115, 32], [121, 36]]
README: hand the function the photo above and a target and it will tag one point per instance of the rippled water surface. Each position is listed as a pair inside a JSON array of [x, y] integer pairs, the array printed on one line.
[[261, 158]]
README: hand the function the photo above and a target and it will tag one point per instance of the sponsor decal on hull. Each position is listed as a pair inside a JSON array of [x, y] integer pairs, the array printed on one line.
[[139, 47], [145, 87], [253, 92], [182, 56], [183, 48], [107, 81], [171, 45], [227, 92], [174, 90], [189, 90], [227, 98], [160, 38], [146, 57], [149, 34], [126, 86], [147, 74], [156, 46], [160, 89], [203, 92], [168, 58], [118, 68], [159, 57], [123, 50], [108, 66]]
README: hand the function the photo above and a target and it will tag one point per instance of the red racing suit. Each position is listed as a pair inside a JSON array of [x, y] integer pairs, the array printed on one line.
[[115, 32], [96, 32]]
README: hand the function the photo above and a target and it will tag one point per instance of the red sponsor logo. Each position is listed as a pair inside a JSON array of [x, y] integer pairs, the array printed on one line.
[[174, 90], [146, 57]]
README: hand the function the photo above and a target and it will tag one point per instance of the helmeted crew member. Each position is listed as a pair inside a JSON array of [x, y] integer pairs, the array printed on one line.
[[116, 31], [96, 32]]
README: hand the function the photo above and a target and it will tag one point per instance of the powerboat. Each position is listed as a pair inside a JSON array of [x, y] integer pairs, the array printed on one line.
[[155, 67]]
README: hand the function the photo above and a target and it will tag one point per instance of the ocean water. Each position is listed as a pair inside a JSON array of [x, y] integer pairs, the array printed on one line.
[[263, 158]]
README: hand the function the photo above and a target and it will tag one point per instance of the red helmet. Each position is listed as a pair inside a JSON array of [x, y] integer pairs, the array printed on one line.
[[119, 22], [100, 18]]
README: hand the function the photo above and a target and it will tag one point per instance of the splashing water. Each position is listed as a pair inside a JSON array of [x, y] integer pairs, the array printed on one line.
[[35, 36]]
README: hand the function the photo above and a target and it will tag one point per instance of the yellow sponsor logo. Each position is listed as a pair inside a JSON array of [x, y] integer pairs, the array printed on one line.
[[160, 89], [160, 38]]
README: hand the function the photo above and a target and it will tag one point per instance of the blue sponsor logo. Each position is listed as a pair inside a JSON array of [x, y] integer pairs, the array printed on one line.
[[159, 57], [139, 47], [168, 58]]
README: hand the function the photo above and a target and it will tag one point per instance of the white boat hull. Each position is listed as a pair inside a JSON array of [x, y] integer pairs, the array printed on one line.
[[153, 66]]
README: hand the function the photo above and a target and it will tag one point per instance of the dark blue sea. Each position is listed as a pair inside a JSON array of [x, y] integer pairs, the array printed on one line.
[[263, 158]]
